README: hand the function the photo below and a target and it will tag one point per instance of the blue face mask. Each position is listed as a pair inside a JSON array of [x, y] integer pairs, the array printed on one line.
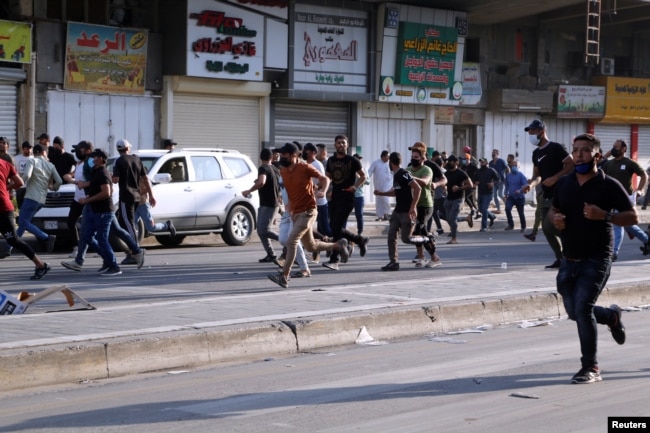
[[585, 167], [514, 170], [91, 162]]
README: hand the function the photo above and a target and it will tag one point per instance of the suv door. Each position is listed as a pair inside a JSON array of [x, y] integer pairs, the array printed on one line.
[[213, 191], [175, 200]]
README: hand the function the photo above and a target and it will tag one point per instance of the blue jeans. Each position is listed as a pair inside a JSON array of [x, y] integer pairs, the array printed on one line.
[[143, 212], [27, 212], [497, 193], [323, 220], [452, 209], [618, 235], [100, 223], [580, 284], [483, 207], [519, 204], [125, 236], [359, 202], [87, 238]]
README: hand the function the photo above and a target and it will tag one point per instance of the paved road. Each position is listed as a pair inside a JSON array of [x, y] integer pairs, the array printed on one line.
[[204, 303]]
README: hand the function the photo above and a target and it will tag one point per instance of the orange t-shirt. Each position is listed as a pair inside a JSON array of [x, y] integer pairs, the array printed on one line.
[[299, 186]]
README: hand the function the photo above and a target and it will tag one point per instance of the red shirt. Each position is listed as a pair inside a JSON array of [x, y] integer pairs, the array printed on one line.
[[7, 171], [300, 188]]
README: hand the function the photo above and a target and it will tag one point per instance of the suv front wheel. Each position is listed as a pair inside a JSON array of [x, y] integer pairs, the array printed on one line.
[[239, 226]]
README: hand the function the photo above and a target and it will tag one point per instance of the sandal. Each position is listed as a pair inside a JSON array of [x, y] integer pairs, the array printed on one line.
[[301, 274]]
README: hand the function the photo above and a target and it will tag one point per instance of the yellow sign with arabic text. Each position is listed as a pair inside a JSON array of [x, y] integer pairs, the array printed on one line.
[[627, 99], [15, 42]]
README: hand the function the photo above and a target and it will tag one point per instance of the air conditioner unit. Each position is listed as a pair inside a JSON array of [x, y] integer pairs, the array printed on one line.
[[606, 66]]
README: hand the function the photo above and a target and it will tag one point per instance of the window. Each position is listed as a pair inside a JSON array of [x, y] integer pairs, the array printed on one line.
[[238, 166], [177, 169], [206, 168]]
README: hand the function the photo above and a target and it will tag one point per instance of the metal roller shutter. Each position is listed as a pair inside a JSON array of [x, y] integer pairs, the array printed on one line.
[[310, 122], [214, 121], [643, 155], [608, 134], [8, 113]]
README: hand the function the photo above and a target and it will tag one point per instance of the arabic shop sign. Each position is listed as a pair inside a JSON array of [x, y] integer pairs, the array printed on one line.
[[330, 49], [426, 55], [105, 59], [580, 102], [224, 41], [15, 42], [627, 99]]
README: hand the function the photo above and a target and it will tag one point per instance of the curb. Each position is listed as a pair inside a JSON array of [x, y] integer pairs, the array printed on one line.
[[94, 360]]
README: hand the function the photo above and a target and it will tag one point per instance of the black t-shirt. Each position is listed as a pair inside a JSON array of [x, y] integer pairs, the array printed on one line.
[[129, 169], [100, 177], [548, 160], [63, 162], [484, 176], [270, 192], [455, 177], [342, 171], [435, 168], [402, 185], [583, 238]]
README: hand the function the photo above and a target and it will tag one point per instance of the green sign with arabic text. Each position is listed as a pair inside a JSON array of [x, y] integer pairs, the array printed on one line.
[[426, 55]]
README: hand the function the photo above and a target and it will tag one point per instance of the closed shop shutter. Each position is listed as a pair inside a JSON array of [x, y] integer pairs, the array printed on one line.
[[209, 121], [643, 154], [608, 134], [8, 113], [310, 122]]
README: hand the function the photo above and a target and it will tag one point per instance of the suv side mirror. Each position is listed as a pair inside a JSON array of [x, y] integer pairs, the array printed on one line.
[[162, 178]]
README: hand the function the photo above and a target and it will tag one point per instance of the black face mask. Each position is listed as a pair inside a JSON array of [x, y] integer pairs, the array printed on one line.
[[305, 156], [616, 153], [80, 155], [285, 162], [416, 162], [449, 166]]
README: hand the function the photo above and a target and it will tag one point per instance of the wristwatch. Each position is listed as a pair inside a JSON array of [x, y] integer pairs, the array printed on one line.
[[608, 217]]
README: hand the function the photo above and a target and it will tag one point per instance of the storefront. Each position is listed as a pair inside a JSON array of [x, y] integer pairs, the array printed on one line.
[[9, 104]]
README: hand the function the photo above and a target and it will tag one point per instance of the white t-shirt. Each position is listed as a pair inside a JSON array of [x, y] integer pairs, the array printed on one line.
[[318, 166], [79, 193]]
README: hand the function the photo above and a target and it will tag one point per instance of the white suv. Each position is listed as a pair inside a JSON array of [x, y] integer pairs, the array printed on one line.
[[198, 189]]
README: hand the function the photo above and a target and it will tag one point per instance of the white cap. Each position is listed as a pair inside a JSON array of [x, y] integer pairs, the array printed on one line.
[[123, 144]]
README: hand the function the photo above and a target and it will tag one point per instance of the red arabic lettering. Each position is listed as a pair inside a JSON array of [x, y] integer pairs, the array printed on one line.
[[216, 19], [223, 46]]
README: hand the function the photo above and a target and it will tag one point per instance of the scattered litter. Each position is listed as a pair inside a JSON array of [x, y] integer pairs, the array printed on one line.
[[269, 359], [522, 395], [346, 300], [447, 340], [478, 381], [85, 381], [178, 372], [318, 290], [532, 324], [237, 273], [478, 330], [366, 339]]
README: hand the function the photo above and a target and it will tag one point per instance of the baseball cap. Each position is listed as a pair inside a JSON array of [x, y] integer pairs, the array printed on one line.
[[452, 158], [419, 146], [535, 124], [83, 145], [26, 144], [100, 153], [288, 148], [482, 160], [310, 147], [122, 144], [57, 140], [356, 155], [43, 136], [467, 149]]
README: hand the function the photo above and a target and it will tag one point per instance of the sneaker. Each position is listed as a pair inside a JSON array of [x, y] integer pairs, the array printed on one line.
[[51, 239], [279, 279], [470, 221], [40, 272], [433, 263], [343, 250], [268, 259], [363, 245], [440, 231], [645, 249], [73, 265], [617, 330], [508, 228], [614, 257], [492, 220], [420, 263], [483, 230], [331, 265], [587, 375], [554, 265], [531, 237], [304, 273], [111, 271], [392, 266], [129, 260], [139, 258], [4, 253], [279, 262], [104, 268], [73, 254], [171, 228]]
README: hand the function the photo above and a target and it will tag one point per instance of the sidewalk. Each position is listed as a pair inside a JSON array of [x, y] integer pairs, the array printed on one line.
[[41, 349]]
